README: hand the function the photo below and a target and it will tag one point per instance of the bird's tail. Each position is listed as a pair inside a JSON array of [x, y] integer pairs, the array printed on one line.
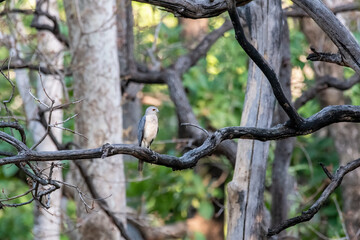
[[140, 167]]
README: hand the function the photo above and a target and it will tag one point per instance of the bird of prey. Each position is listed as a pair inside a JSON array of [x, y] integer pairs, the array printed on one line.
[[147, 130]]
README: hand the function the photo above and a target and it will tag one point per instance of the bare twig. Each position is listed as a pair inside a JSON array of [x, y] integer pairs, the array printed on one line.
[[193, 125], [38, 100], [328, 174]]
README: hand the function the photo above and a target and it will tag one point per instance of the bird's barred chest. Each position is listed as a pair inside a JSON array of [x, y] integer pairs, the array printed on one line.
[[151, 127]]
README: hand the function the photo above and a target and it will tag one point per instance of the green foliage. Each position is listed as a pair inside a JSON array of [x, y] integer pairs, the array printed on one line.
[[216, 88], [173, 194], [16, 223]]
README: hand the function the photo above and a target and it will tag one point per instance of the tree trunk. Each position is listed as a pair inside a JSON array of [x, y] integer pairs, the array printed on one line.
[[47, 223], [96, 72], [246, 215], [346, 135]]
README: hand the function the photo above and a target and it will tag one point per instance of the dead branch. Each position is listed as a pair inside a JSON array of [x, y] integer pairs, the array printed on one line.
[[308, 214], [325, 83], [297, 12], [325, 117], [36, 67], [327, 57], [259, 60], [336, 31], [193, 8], [55, 29]]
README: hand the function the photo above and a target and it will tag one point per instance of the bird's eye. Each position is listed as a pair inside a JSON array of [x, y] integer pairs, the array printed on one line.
[[153, 109]]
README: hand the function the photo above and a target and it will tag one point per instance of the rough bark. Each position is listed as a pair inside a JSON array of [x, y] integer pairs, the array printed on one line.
[[246, 217], [346, 135], [92, 30]]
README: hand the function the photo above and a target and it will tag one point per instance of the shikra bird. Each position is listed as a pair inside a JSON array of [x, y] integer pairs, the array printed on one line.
[[147, 130]]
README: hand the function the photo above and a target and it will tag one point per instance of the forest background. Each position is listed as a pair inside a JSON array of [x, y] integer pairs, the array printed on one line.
[[39, 64]]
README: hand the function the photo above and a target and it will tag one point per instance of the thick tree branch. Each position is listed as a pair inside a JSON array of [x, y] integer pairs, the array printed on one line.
[[325, 117], [308, 214], [263, 65], [337, 32], [193, 8], [297, 12]]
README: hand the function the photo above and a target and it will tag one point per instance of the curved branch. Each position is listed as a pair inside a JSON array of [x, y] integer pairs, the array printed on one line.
[[193, 8], [259, 60], [16, 126], [308, 214], [337, 32], [297, 12], [325, 83], [325, 117]]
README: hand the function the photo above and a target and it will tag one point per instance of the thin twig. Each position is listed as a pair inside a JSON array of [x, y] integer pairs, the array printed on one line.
[[193, 125], [341, 216], [328, 174]]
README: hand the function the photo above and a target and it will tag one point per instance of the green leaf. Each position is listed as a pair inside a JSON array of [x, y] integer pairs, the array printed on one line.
[[206, 210], [10, 170]]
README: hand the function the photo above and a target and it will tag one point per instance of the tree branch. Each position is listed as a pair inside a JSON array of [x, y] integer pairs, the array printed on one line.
[[325, 117], [36, 67], [325, 83], [297, 12], [337, 32], [263, 65], [193, 8], [308, 214], [327, 57], [55, 29]]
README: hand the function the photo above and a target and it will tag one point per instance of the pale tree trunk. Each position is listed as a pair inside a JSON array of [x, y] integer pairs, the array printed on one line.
[[246, 215], [346, 135], [47, 223], [96, 72]]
